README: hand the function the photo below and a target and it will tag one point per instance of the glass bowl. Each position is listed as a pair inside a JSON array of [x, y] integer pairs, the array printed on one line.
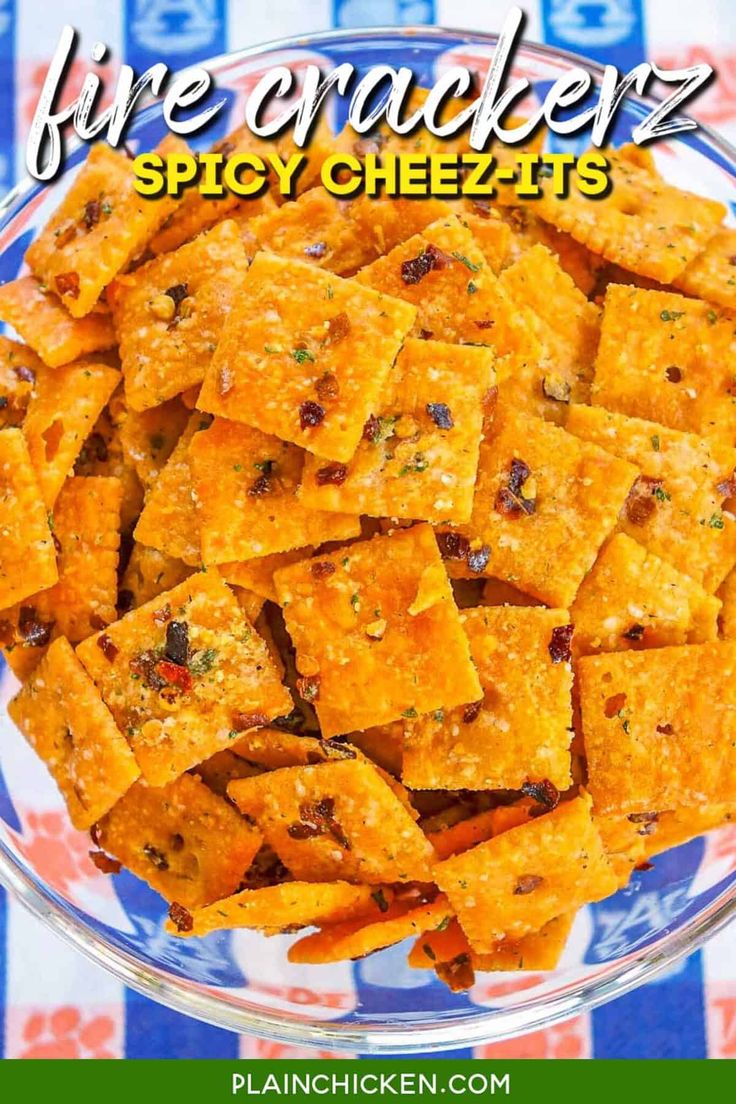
[[243, 981]]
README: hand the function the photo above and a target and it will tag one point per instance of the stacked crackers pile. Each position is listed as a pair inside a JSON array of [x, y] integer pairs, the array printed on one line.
[[368, 565]]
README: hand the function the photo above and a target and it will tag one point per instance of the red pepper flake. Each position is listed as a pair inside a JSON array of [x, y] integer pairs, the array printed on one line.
[[317, 818], [636, 632], [308, 687], [31, 629], [484, 323], [453, 546], [644, 866], [144, 666], [559, 645], [647, 820], [104, 863], [175, 675], [614, 705], [92, 212], [338, 329], [317, 249], [334, 474], [642, 499], [263, 485], [322, 568], [67, 283], [27, 375], [544, 792], [161, 616], [426, 335], [181, 917], [327, 387], [478, 559], [242, 722], [372, 429], [673, 373], [441, 415], [311, 414], [472, 712], [416, 269], [527, 883], [510, 499], [666, 729], [108, 648], [457, 974]]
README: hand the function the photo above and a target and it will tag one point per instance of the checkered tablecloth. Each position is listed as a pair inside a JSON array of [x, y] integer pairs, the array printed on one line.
[[53, 1004]]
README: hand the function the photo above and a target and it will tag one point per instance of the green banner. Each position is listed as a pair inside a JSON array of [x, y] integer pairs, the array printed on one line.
[[316, 1080]]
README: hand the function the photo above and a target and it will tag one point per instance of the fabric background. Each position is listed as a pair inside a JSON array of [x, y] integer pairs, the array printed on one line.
[[53, 1004]]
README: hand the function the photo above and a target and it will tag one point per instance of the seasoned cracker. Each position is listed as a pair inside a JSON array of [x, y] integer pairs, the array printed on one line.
[[98, 228], [103, 454], [576, 259], [246, 484], [334, 821], [187, 843], [519, 728], [544, 503], [19, 367], [148, 437], [633, 599], [27, 556], [518, 881], [448, 946], [660, 727], [61, 714], [418, 456], [180, 694], [377, 632], [43, 321], [667, 359], [643, 224], [257, 575], [677, 826], [169, 314], [676, 508], [712, 274], [305, 355], [65, 404]]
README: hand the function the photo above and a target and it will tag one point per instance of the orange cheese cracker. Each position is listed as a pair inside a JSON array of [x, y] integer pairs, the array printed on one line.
[[147, 574], [62, 716], [183, 674], [257, 575], [576, 259], [660, 727], [378, 615], [100, 225], [418, 456], [633, 599], [336, 821], [677, 826], [518, 881], [169, 520], [27, 556], [103, 454], [246, 484], [675, 508], [519, 729], [623, 840], [544, 503], [667, 359], [62, 412], [358, 938], [148, 437], [643, 224], [712, 274], [187, 843], [305, 355], [170, 312], [19, 367], [44, 322], [277, 908]]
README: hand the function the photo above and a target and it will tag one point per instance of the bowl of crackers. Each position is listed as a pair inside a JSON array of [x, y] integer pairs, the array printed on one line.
[[367, 578]]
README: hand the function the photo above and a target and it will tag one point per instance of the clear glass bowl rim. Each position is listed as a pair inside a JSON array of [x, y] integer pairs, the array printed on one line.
[[372, 1038]]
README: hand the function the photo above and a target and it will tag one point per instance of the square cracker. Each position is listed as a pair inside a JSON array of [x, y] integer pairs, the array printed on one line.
[[418, 456], [520, 728], [169, 520], [518, 881], [336, 821], [632, 599], [643, 224], [540, 533], [27, 556], [177, 712], [63, 717], [712, 274], [660, 727], [43, 321], [98, 228], [667, 359], [257, 575], [103, 454], [19, 367], [246, 484], [675, 508], [169, 314], [456, 293], [147, 574], [65, 404], [305, 355], [187, 843], [148, 437], [377, 632]]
